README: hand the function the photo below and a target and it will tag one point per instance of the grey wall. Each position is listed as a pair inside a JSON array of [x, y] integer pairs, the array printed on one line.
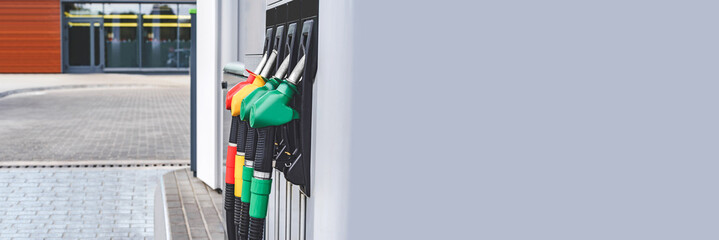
[[251, 18], [517, 120], [327, 209]]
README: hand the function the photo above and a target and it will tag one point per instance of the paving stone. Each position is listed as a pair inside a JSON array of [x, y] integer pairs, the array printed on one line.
[[79, 235], [45, 235], [12, 212], [11, 219], [64, 230], [34, 217], [36, 230], [13, 235], [112, 234]]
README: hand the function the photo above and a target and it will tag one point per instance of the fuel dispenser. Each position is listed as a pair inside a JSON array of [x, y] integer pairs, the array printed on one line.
[[273, 130], [244, 175], [282, 139], [267, 113], [235, 147], [248, 168]]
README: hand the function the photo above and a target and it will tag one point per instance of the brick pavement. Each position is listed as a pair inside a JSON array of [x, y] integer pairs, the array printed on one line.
[[118, 123], [79, 203]]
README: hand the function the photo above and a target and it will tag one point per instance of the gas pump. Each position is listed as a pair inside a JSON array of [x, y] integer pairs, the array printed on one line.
[[276, 139], [244, 176], [235, 131], [269, 111], [246, 161]]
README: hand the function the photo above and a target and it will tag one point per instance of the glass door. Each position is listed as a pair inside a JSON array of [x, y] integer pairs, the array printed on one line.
[[85, 48]]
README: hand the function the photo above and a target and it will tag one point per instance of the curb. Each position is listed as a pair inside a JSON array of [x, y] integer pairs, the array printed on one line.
[[161, 213], [24, 90]]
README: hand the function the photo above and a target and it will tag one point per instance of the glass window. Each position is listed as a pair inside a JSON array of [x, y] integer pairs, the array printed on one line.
[[96, 43], [159, 35], [75, 10], [79, 31], [122, 8], [183, 50], [79, 44], [121, 44]]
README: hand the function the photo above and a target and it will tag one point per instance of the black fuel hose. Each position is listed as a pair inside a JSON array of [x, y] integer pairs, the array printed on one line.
[[229, 179], [261, 181], [250, 147]]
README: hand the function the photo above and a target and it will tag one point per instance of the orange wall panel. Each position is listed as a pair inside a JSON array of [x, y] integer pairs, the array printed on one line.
[[30, 36]]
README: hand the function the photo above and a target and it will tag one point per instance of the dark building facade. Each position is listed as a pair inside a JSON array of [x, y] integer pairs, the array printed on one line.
[[53, 36], [126, 36]]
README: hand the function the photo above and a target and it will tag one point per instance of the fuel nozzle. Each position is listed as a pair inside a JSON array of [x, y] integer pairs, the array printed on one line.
[[257, 82], [236, 167], [270, 84], [272, 109], [259, 67], [250, 79], [235, 157]]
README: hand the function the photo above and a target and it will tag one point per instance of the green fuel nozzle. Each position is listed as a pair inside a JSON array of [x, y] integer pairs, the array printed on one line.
[[272, 108], [270, 84]]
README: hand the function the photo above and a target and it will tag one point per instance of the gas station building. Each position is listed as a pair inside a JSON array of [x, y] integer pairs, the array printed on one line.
[[67, 36]]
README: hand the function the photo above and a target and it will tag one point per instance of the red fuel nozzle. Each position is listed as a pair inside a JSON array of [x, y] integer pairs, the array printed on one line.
[[231, 93]]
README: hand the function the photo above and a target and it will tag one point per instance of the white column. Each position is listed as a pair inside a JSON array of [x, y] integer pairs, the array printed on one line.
[[327, 208], [208, 93]]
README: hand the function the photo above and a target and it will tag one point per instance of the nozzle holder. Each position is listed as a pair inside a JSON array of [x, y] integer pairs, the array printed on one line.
[[287, 143], [296, 135], [268, 41], [299, 170], [292, 153], [277, 45]]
